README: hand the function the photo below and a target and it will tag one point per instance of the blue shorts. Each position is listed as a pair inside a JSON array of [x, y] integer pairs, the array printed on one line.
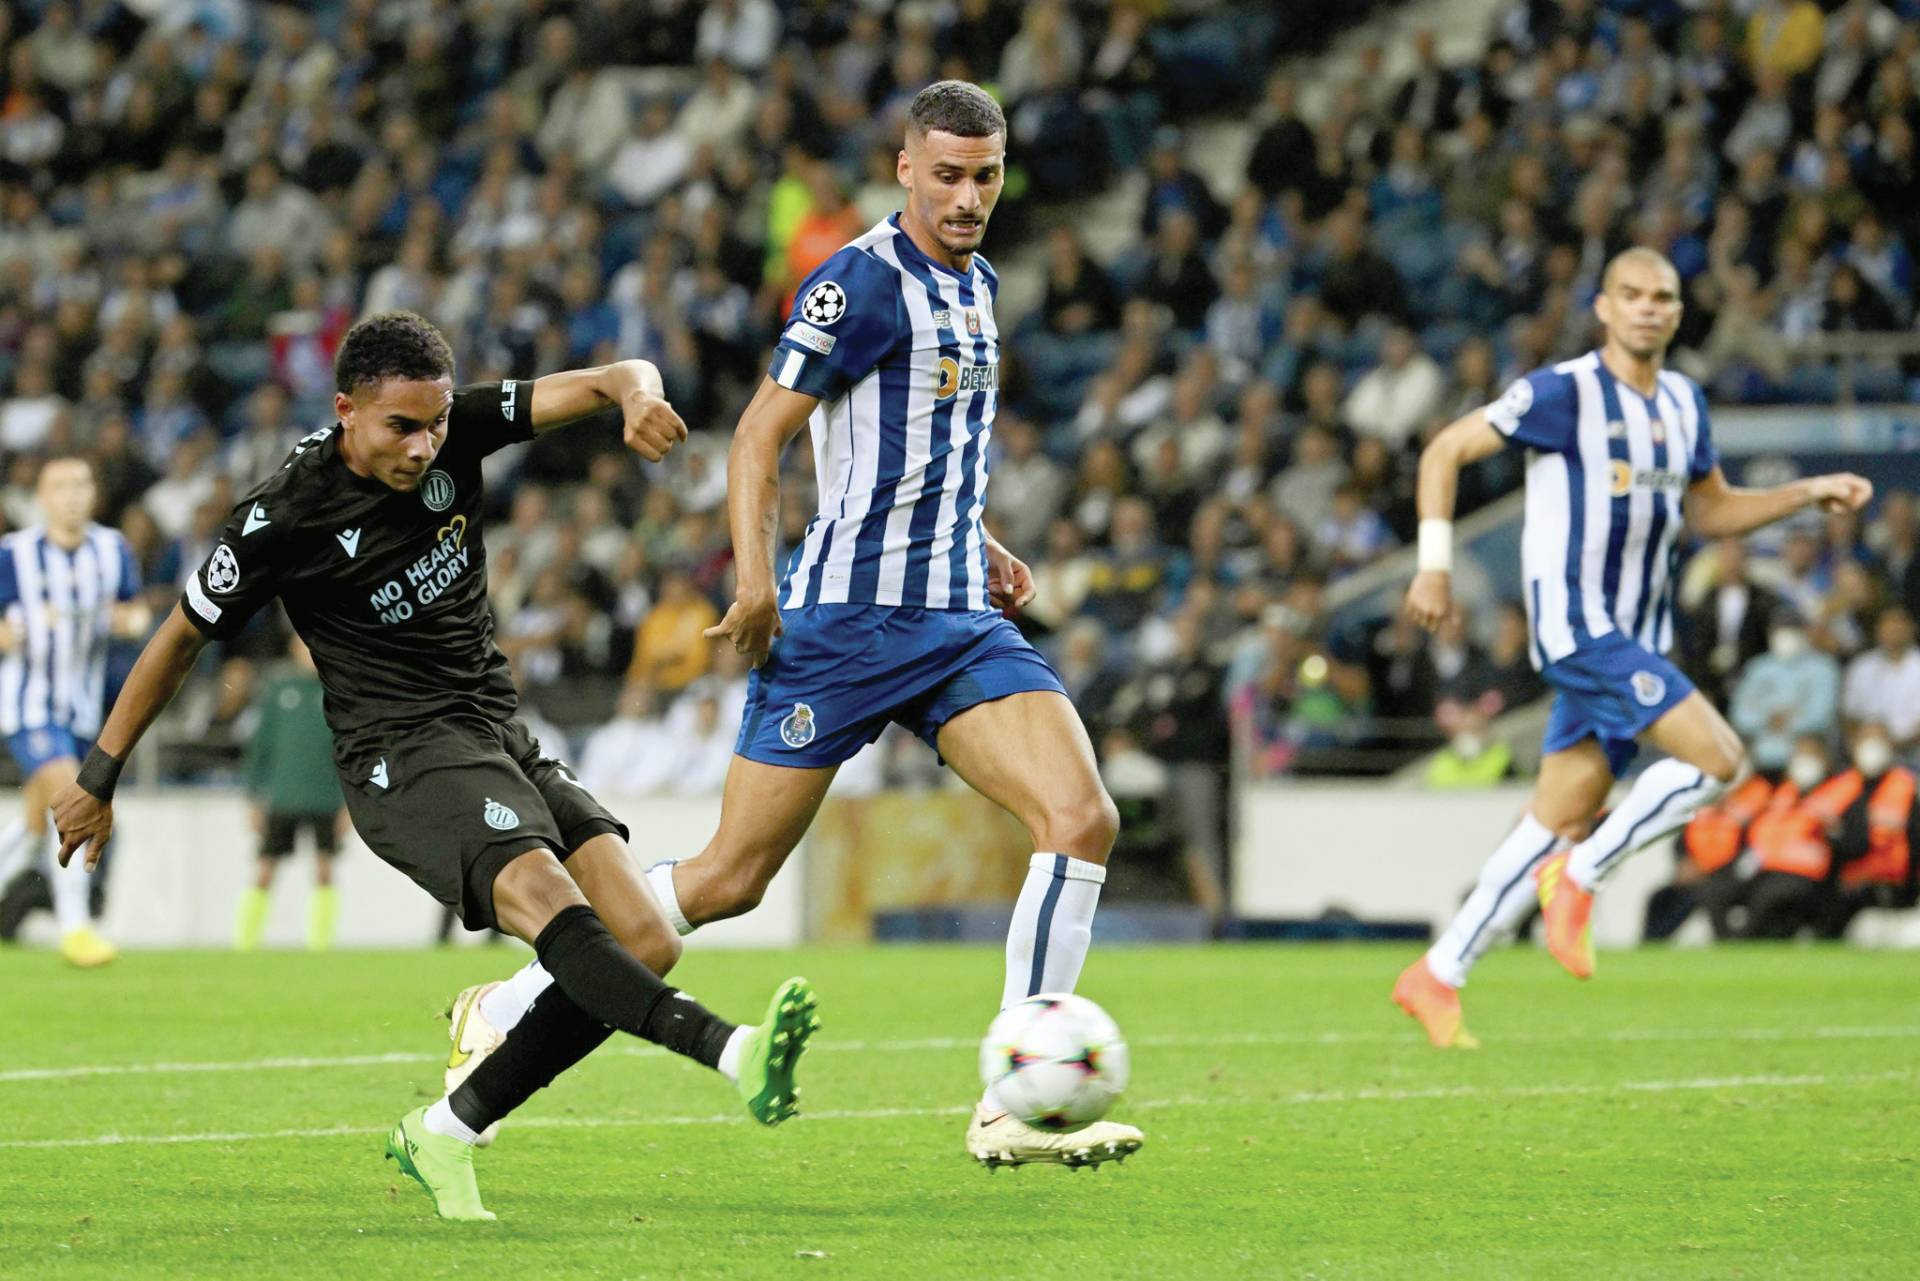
[[33, 748], [839, 673], [1611, 689]]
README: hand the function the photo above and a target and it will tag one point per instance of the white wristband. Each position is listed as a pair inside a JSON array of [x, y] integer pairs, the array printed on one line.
[[1436, 546]]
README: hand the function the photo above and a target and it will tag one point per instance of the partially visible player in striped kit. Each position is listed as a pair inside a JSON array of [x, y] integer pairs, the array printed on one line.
[[1619, 456], [67, 586]]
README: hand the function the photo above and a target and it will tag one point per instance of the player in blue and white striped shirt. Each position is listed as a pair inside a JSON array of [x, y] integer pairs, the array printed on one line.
[[1620, 454], [889, 610], [67, 587]]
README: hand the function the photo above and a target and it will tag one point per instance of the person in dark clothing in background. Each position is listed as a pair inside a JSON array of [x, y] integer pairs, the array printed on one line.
[[292, 785], [1178, 710]]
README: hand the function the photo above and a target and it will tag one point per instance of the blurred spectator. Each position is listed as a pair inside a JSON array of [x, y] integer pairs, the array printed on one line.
[[1397, 396], [671, 651], [1883, 684], [1724, 618], [1791, 691]]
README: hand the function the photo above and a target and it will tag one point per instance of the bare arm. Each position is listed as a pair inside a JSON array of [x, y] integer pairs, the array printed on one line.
[[775, 417], [652, 427], [1716, 509], [1459, 444], [84, 819]]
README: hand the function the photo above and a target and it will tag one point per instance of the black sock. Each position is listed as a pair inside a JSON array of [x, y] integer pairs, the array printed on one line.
[[551, 1037], [609, 985]]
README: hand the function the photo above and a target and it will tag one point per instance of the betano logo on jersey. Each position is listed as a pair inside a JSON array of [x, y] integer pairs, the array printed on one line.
[[1626, 478], [952, 378]]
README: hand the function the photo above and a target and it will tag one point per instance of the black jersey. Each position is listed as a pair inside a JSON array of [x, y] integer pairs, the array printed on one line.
[[388, 589]]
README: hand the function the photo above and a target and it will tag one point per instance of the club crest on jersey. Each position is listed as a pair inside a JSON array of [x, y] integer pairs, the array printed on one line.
[[499, 817], [825, 303], [973, 321], [951, 378], [1648, 688], [798, 728], [1659, 430], [436, 491], [223, 571]]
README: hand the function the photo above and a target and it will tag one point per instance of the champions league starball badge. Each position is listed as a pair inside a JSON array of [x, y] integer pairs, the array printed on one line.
[[825, 303]]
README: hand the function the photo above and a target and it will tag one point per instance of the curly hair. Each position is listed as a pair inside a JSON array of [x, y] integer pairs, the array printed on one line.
[[393, 344], [956, 107]]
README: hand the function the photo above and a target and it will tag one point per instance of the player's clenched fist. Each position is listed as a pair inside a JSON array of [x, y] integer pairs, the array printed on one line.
[[1429, 597], [652, 427], [752, 627], [1841, 491]]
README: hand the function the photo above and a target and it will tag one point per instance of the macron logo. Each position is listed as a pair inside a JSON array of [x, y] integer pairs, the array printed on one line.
[[256, 519], [350, 541], [507, 395], [379, 778]]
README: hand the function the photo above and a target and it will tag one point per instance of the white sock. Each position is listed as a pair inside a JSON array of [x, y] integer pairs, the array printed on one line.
[[441, 1120], [729, 1064], [1499, 902], [507, 1004], [1051, 927], [17, 850], [660, 877], [71, 885], [1662, 800]]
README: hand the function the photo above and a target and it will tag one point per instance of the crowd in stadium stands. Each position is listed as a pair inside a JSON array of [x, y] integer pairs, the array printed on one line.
[[1197, 439]]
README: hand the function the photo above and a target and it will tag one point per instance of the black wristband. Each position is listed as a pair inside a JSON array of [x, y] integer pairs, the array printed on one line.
[[100, 774]]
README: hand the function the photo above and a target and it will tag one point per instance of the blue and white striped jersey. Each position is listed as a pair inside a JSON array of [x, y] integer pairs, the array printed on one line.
[[62, 601], [1606, 470], [904, 356]]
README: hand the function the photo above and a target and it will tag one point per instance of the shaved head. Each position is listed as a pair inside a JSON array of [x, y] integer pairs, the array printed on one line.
[[1641, 256]]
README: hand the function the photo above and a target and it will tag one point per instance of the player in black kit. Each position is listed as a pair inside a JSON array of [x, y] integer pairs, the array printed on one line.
[[370, 536]]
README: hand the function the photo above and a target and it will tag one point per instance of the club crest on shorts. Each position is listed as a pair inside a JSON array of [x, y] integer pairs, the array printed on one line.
[[797, 729], [1648, 688], [436, 491], [499, 817], [223, 571], [825, 303]]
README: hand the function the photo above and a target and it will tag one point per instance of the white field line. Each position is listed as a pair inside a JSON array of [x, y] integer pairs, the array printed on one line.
[[1302, 1098], [960, 1043]]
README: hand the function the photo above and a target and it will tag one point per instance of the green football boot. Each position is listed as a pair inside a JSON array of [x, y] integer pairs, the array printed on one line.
[[771, 1051], [443, 1166]]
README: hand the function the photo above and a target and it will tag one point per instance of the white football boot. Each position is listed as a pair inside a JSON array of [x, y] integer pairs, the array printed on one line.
[[996, 1138], [473, 1039]]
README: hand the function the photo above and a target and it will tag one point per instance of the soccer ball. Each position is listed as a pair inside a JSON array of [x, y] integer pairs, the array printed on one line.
[[1055, 1061]]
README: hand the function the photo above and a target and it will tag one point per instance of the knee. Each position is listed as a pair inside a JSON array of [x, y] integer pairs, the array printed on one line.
[[1084, 829], [652, 942]]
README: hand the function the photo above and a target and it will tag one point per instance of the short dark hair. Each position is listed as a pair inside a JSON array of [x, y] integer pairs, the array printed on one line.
[[393, 344], [956, 107]]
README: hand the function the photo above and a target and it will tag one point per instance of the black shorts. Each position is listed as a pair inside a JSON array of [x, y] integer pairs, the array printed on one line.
[[281, 830], [452, 801]]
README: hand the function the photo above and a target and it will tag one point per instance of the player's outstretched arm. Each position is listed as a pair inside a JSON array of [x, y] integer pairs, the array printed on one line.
[[83, 810], [775, 417], [1716, 509], [651, 426], [1460, 443]]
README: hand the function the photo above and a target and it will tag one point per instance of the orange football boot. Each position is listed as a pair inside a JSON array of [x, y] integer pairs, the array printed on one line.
[[1421, 994], [1567, 911]]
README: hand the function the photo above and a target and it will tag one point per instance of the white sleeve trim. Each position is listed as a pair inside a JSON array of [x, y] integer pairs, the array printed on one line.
[[790, 371]]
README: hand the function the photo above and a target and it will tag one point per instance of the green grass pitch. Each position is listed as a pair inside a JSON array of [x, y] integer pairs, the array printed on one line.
[[1741, 1112]]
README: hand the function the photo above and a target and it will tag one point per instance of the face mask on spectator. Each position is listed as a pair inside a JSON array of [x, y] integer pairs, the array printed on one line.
[[1468, 745], [1787, 643], [1872, 756], [1806, 770]]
